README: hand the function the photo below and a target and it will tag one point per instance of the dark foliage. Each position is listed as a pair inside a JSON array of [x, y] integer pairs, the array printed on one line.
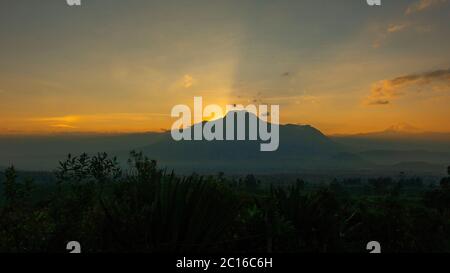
[[145, 209]]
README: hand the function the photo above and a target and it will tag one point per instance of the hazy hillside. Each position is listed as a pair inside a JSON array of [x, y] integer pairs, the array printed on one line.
[[302, 148], [44, 152], [401, 148], [396, 140]]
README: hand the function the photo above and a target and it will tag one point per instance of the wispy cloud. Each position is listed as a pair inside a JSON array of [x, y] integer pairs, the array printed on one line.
[[385, 91], [65, 119], [188, 81], [96, 120], [281, 99], [378, 102], [396, 27], [101, 117], [385, 32], [423, 5], [63, 126]]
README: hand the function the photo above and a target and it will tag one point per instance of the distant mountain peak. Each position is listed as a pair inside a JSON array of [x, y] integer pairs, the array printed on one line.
[[246, 113], [403, 127]]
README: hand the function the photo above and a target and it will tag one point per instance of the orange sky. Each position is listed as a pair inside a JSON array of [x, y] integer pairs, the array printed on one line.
[[348, 69]]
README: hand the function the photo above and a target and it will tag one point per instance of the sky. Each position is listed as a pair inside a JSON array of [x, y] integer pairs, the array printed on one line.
[[120, 66]]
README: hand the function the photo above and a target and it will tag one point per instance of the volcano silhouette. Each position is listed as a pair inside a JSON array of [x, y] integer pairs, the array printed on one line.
[[300, 147]]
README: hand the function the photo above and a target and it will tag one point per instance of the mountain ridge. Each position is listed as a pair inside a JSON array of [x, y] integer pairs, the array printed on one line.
[[301, 147]]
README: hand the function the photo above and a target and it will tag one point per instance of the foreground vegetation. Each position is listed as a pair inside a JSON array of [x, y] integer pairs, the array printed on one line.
[[146, 209]]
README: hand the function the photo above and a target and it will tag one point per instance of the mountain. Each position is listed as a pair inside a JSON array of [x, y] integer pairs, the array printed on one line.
[[300, 147], [401, 147], [417, 167], [398, 131], [396, 137], [43, 152], [403, 128], [396, 156]]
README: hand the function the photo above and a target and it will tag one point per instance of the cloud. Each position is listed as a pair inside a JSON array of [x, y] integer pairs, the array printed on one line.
[[385, 91], [287, 99], [384, 33], [188, 81], [101, 122], [64, 119], [423, 5], [107, 117], [63, 126], [63, 122], [396, 27], [379, 102]]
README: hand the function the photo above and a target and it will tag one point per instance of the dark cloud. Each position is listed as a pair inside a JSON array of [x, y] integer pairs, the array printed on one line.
[[384, 91], [379, 102]]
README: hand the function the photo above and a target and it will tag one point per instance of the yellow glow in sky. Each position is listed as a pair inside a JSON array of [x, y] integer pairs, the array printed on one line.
[[347, 69]]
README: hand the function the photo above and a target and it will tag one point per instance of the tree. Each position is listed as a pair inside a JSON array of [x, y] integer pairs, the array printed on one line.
[[250, 182], [445, 182], [16, 192], [10, 185]]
